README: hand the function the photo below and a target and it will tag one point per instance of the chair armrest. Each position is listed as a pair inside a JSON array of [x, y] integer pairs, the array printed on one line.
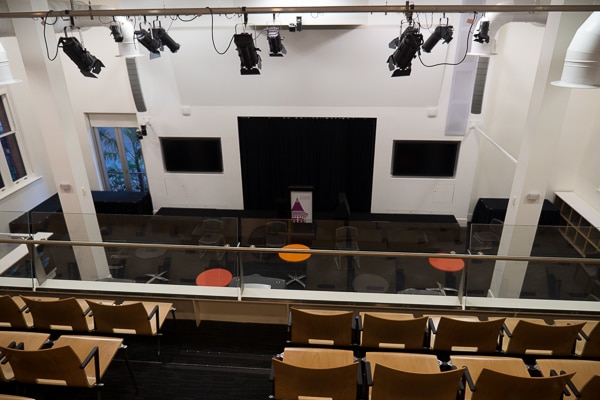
[[431, 326], [152, 314], [572, 386], [11, 345], [505, 329], [565, 390], [500, 340], [469, 379], [95, 354], [368, 375], [356, 329]]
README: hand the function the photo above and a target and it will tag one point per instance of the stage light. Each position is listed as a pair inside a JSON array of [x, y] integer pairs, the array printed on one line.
[[250, 60], [115, 31], [483, 34], [441, 32], [406, 47], [276, 48], [145, 39], [87, 63], [165, 40]]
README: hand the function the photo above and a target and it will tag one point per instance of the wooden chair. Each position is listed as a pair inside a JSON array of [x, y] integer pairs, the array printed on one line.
[[321, 327], [393, 384], [21, 340], [542, 339], [316, 372], [78, 361], [475, 364], [493, 385], [396, 331], [589, 346], [463, 335], [61, 314], [131, 317], [12, 313], [585, 384]]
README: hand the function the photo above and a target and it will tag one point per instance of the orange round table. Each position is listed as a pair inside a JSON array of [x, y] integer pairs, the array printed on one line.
[[214, 277], [447, 264], [295, 257]]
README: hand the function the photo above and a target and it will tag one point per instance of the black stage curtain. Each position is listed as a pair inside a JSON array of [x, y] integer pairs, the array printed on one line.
[[332, 155]]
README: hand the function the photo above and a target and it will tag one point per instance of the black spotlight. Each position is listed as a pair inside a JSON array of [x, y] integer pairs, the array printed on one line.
[[406, 47], [165, 40], [115, 31], [276, 48], [140, 133], [440, 32], [483, 34], [146, 40], [87, 63], [250, 60]]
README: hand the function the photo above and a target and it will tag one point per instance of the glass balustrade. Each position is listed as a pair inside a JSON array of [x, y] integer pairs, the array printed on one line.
[[361, 262]]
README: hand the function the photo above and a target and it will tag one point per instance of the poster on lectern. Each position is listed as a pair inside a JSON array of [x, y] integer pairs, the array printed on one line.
[[302, 205]]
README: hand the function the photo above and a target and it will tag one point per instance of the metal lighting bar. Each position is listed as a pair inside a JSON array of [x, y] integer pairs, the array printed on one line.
[[307, 10]]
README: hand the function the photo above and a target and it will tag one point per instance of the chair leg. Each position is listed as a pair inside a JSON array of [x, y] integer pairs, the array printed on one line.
[[124, 348]]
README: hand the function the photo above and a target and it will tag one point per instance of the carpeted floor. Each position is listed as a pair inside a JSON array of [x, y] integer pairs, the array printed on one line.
[[216, 361]]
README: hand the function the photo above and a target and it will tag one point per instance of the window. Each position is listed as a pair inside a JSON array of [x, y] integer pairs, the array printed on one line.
[[120, 154], [12, 165]]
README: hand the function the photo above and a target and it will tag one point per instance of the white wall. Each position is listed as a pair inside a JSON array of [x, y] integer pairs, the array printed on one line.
[[335, 72]]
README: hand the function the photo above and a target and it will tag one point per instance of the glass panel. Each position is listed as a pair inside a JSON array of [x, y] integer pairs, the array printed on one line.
[[135, 159], [112, 160], [13, 157], [4, 122]]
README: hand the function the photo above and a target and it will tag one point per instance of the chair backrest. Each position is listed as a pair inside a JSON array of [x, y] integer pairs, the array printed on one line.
[[492, 385], [54, 366], [122, 318], [591, 389], [321, 327], [11, 315], [274, 227], [479, 336], [291, 381], [408, 334], [346, 234], [393, 384], [531, 338], [212, 225], [66, 314]]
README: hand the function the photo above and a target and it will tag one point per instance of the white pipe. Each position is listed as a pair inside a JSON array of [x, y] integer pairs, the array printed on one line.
[[498, 20], [496, 145], [128, 47], [582, 61]]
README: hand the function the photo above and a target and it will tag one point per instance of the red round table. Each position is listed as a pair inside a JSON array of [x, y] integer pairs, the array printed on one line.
[[295, 257], [214, 277], [447, 264]]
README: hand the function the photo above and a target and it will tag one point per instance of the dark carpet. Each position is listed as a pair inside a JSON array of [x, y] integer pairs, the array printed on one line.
[[216, 361]]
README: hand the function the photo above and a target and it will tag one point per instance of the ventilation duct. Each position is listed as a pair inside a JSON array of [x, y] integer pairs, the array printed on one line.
[[127, 45], [498, 20], [582, 61]]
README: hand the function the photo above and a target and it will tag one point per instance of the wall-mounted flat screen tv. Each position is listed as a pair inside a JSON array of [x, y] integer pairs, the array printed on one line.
[[192, 154], [425, 158]]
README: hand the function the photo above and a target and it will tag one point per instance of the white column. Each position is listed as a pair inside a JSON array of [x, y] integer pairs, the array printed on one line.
[[52, 106], [542, 131]]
